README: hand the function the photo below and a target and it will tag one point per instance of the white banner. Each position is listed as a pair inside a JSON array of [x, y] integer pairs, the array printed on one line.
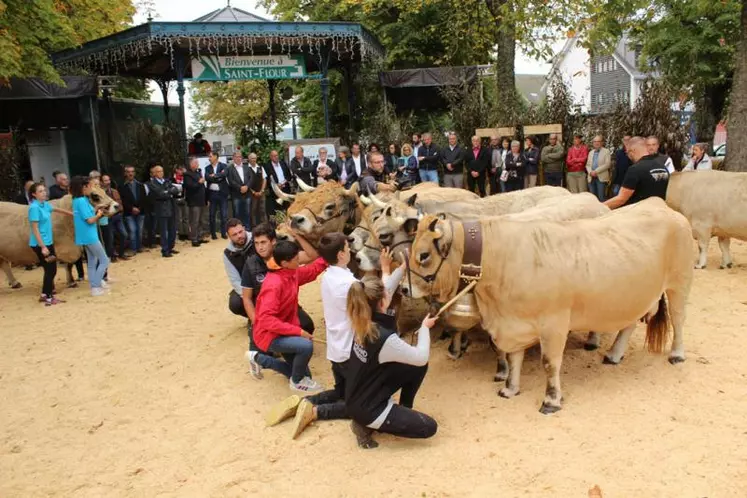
[[312, 151]]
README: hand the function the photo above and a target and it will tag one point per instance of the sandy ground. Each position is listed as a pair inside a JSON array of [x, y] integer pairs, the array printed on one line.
[[146, 393]]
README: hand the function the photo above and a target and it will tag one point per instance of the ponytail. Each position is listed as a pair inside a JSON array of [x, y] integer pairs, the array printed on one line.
[[363, 298]]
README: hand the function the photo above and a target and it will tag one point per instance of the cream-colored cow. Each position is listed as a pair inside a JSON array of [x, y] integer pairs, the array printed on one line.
[[546, 284]]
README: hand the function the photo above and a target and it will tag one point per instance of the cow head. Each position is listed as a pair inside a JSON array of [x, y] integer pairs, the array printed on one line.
[[359, 237], [396, 225], [327, 208], [284, 232], [100, 200], [434, 260]]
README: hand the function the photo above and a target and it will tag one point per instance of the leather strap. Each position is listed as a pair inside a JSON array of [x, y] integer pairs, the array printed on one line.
[[472, 259]]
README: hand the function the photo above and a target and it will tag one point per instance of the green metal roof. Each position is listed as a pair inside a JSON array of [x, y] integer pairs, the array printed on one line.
[[150, 50]]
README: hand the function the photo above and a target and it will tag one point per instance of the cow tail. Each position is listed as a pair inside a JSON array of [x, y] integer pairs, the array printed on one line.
[[657, 329]]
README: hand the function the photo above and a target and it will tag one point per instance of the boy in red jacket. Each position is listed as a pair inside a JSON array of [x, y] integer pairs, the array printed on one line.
[[276, 325]]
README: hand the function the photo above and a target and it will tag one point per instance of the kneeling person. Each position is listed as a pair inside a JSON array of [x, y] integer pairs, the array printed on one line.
[[277, 328]]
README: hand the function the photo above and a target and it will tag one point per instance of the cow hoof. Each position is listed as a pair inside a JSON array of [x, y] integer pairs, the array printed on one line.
[[609, 361], [676, 359], [547, 409], [507, 393], [453, 355], [591, 347], [698, 267], [723, 267], [465, 344], [16, 285], [500, 377], [444, 335]]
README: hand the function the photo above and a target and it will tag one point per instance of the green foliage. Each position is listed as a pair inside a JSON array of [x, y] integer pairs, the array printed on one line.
[[10, 164], [131, 88], [154, 144], [31, 30], [259, 140]]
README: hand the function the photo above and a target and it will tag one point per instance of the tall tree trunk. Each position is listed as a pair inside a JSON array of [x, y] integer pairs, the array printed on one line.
[[709, 110], [736, 155], [505, 76]]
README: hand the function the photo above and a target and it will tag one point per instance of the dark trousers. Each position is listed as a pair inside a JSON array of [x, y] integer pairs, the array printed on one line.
[[494, 183], [151, 227], [116, 223], [402, 420], [330, 405], [258, 211], [50, 270], [107, 236], [195, 223], [218, 204], [479, 181], [514, 184], [242, 210], [167, 229], [553, 179]]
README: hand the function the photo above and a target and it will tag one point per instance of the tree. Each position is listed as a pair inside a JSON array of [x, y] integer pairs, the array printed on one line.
[[230, 107], [31, 30], [736, 152]]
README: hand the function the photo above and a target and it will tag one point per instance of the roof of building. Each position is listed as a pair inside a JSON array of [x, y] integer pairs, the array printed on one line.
[[230, 14]]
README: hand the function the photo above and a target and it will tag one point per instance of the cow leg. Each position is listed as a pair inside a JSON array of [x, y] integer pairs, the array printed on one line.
[[724, 243], [553, 346], [676, 301], [14, 284], [512, 388], [69, 276], [455, 347], [592, 342], [617, 351], [501, 370], [704, 237]]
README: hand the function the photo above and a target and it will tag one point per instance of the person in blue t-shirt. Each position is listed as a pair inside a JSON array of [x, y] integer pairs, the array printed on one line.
[[41, 238], [86, 219]]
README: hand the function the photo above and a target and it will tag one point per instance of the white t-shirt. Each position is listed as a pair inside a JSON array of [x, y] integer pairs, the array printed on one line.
[[336, 283], [240, 171], [257, 169], [357, 161]]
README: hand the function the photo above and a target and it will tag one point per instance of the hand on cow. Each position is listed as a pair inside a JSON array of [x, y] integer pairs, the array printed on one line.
[[385, 260], [430, 321]]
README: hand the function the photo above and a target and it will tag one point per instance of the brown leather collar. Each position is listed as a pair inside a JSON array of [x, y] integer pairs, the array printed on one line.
[[471, 268]]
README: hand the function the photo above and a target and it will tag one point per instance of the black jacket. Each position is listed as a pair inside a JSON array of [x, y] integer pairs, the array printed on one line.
[[162, 197], [235, 183], [129, 200], [270, 173], [221, 173], [350, 169], [55, 192], [430, 155], [454, 157], [516, 167], [194, 191], [304, 170], [532, 158], [482, 163]]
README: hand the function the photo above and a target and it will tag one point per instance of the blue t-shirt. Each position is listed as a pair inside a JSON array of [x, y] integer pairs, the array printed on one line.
[[85, 233], [41, 212]]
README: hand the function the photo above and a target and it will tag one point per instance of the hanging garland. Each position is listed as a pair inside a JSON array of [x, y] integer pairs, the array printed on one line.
[[128, 55]]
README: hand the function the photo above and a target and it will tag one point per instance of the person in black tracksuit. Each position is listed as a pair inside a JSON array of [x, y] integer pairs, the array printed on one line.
[[381, 364]]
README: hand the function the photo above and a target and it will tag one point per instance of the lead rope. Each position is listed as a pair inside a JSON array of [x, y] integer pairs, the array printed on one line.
[[409, 284]]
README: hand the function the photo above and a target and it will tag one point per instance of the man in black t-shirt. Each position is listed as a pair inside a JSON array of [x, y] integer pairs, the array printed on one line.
[[255, 270], [648, 177]]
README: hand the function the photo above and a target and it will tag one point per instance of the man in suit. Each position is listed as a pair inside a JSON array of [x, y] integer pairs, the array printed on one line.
[[277, 171], [598, 168], [239, 178], [355, 167], [194, 186], [478, 163], [302, 168], [133, 196], [452, 157], [216, 173], [162, 194]]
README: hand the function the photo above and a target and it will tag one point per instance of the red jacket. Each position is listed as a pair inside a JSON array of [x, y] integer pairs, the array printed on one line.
[[575, 161], [277, 304]]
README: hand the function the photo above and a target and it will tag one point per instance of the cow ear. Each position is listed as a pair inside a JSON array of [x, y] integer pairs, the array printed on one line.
[[411, 200], [433, 227], [388, 211], [411, 227]]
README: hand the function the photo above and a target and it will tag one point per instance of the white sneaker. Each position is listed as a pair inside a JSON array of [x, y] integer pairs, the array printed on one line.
[[254, 368], [98, 291], [104, 284], [306, 385]]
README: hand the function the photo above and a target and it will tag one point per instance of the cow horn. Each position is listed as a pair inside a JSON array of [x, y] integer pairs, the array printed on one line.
[[304, 186], [377, 202], [352, 190], [365, 200], [280, 195]]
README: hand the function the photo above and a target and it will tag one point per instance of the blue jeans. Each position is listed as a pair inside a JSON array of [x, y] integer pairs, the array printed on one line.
[[220, 204], [615, 189], [296, 352], [598, 188], [242, 209], [167, 230], [135, 228], [118, 228], [97, 263], [428, 175], [554, 179]]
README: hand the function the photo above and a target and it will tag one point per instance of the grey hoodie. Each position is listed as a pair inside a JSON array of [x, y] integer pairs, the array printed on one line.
[[234, 275]]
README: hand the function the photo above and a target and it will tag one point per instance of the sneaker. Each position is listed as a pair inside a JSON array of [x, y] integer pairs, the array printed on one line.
[[52, 301], [104, 284], [283, 410], [98, 291], [306, 385], [304, 416], [174, 251], [254, 368]]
